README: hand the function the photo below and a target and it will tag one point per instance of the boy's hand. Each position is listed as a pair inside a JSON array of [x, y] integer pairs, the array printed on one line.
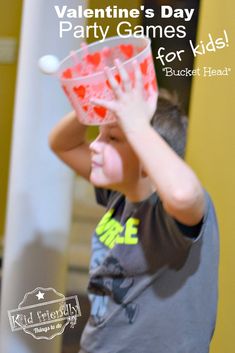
[[133, 112]]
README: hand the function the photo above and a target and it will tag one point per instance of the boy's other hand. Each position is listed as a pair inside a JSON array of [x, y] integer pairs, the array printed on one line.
[[132, 110]]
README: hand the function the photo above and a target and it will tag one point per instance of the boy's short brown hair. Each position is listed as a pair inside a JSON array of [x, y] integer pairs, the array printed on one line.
[[169, 121]]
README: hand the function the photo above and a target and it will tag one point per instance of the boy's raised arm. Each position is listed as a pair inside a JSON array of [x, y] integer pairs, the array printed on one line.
[[177, 185], [67, 140]]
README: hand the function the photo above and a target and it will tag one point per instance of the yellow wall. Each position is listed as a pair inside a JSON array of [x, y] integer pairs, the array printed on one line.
[[211, 151], [10, 14], [112, 22]]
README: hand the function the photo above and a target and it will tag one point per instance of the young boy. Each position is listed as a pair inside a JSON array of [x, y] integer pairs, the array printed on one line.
[[154, 264]]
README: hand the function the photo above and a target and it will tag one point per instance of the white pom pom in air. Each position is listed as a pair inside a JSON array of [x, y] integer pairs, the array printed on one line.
[[49, 64]]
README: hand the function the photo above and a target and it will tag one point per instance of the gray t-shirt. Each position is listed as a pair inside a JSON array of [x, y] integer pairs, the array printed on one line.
[[153, 282]]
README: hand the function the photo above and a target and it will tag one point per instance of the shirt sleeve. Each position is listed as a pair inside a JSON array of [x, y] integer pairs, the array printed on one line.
[[164, 238], [191, 233]]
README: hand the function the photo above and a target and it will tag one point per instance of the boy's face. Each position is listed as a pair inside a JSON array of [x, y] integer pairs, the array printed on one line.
[[113, 162]]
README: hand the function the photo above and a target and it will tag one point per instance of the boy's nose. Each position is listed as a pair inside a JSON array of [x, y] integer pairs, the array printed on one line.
[[96, 145]]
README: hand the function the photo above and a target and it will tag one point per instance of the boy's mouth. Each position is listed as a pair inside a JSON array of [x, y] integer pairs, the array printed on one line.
[[95, 164]]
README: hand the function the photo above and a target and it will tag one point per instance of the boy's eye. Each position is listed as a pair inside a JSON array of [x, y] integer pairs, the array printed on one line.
[[113, 138]]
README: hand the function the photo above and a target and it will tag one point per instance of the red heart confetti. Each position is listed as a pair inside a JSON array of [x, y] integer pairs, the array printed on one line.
[[144, 67], [106, 51], [100, 111], [78, 68], [65, 90], [139, 49], [80, 91], [118, 79], [85, 107], [146, 86], [127, 49], [67, 73], [154, 84], [93, 59]]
